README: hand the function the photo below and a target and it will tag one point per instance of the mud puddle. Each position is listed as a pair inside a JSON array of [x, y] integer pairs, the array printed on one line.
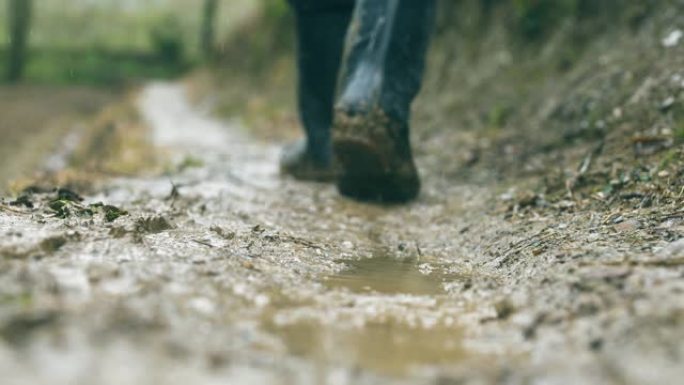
[[388, 348], [389, 275], [387, 344]]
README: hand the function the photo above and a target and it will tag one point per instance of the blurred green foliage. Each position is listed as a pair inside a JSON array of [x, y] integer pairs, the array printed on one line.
[[535, 17], [529, 21], [523, 26], [96, 67], [114, 41], [166, 37], [261, 40], [111, 42]]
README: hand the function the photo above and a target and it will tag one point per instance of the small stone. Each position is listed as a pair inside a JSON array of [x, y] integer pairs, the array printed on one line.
[[674, 249], [262, 300], [617, 113], [596, 344], [566, 204], [667, 103], [152, 225], [506, 197], [538, 251], [673, 38], [202, 305], [628, 225], [504, 309]]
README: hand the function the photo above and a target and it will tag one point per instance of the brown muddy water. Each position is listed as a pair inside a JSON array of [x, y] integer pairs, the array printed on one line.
[[392, 347], [388, 348], [389, 275]]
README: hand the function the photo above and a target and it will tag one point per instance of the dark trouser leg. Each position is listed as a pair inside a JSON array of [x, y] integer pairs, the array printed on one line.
[[321, 39], [383, 69], [321, 29]]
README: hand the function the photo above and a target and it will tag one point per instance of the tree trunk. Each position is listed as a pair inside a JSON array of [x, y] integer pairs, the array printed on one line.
[[19, 25], [208, 32]]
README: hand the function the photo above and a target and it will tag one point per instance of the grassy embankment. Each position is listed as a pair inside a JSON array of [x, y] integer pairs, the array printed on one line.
[[581, 98]]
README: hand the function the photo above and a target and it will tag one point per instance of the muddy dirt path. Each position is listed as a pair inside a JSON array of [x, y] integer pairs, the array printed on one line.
[[223, 272], [34, 121]]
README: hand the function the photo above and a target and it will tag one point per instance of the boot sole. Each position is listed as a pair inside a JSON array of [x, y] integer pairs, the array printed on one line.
[[370, 170]]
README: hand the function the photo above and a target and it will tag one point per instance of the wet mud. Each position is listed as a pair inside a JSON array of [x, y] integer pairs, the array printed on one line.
[[221, 271], [38, 124]]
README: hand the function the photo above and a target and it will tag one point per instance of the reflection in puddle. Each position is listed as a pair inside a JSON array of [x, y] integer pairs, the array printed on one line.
[[391, 346], [388, 348], [387, 275]]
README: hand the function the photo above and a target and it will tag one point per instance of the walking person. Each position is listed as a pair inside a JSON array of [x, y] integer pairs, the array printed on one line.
[[360, 67]]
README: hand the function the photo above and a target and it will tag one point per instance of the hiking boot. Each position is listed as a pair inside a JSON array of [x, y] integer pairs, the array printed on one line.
[[297, 161], [381, 75], [375, 158]]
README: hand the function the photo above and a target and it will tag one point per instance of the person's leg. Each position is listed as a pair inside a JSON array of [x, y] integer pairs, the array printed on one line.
[[383, 69], [321, 29]]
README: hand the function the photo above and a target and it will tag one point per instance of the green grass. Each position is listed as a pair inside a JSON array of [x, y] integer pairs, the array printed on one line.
[[111, 41], [96, 67]]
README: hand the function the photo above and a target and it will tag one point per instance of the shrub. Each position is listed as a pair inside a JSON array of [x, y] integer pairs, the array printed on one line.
[[166, 38]]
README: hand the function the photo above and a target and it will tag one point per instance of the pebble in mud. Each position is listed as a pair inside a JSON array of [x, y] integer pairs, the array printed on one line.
[[672, 250], [202, 305], [152, 225], [673, 38]]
